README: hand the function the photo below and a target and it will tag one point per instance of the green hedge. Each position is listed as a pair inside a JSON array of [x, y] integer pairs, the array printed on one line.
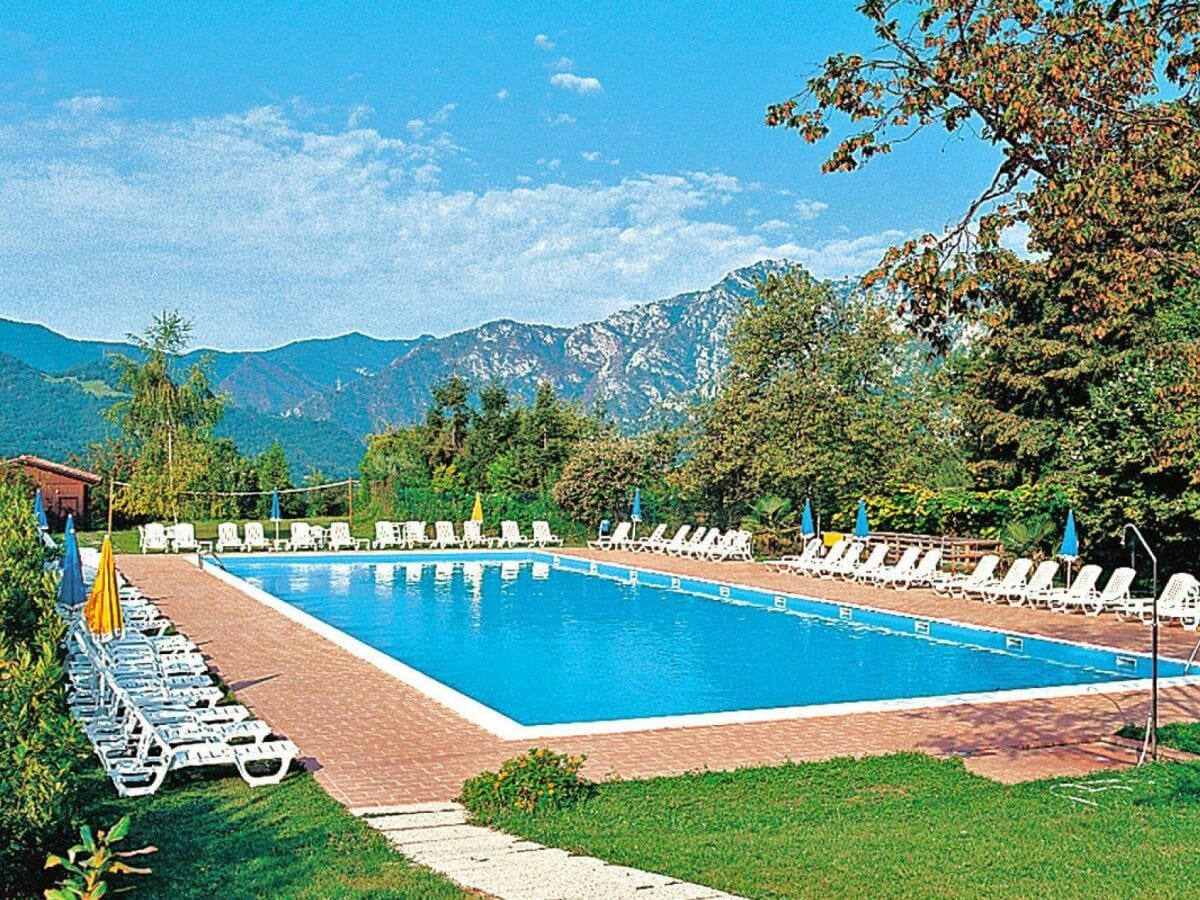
[[960, 512]]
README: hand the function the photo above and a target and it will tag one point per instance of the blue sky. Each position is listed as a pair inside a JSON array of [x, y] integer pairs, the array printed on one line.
[[278, 171]]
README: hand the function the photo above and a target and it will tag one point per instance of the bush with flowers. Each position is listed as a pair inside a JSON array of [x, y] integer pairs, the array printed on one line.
[[535, 782]]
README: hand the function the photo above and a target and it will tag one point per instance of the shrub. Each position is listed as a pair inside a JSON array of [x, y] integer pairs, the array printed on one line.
[[40, 744], [533, 783], [91, 861]]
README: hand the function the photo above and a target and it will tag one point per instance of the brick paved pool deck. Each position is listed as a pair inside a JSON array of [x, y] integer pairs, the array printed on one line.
[[374, 741]]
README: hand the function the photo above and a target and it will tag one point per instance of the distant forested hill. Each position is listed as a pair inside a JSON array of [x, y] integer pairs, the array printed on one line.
[[645, 365]]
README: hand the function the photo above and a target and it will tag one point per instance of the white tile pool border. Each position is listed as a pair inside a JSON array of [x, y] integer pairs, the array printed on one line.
[[509, 729]]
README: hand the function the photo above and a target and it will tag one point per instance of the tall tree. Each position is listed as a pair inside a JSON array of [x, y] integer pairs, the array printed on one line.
[[168, 420], [822, 398], [1093, 107]]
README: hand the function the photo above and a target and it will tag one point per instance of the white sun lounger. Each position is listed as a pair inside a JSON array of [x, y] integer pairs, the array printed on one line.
[[152, 538], [614, 541], [1081, 591], [680, 540], [300, 537], [543, 536], [183, 537], [414, 534], [866, 569], [705, 545], [652, 541], [255, 539], [340, 538], [1178, 602], [851, 556], [958, 584], [903, 567], [1041, 582], [227, 537], [386, 537], [789, 562], [444, 536], [1000, 588], [510, 535], [473, 536]]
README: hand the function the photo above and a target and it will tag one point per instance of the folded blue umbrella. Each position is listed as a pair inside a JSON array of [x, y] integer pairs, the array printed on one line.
[[636, 514], [861, 528], [39, 510], [275, 516], [71, 590], [1070, 542], [807, 529]]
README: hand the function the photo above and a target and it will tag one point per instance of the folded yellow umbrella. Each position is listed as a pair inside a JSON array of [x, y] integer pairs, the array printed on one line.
[[477, 512], [102, 612]]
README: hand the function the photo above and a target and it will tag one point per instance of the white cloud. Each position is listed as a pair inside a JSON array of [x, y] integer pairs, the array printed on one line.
[[358, 114], [416, 127], [563, 64], [773, 225], [541, 40], [570, 82], [263, 230], [590, 155], [502, 94], [560, 119], [807, 210], [443, 113], [89, 105]]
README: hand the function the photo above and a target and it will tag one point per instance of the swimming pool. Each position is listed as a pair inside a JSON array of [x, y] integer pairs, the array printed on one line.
[[535, 643]]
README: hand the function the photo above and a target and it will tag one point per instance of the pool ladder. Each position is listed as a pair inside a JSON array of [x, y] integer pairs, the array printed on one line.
[[1192, 659]]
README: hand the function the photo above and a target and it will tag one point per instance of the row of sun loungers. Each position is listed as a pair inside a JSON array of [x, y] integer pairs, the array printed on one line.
[[156, 537], [413, 534], [853, 560], [698, 543], [1022, 584], [149, 707]]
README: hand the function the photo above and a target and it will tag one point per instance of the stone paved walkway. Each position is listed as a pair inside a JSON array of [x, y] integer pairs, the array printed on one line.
[[374, 741], [437, 835]]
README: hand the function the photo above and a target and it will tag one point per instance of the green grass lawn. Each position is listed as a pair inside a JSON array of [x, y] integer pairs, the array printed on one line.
[[219, 838], [903, 825]]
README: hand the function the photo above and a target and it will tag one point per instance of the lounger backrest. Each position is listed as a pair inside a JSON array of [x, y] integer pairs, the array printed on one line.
[[339, 533], [811, 549], [541, 531], [385, 533], [835, 552], [680, 536], [301, 532], [655, 535], [621, 532], [414, 530], [254, 534], [1043, 576], [1017, 573], [1176, 593], [1085, 582], [697, 536], [875, 558], [227, 533], [908, 559], [929, 563], [184, 533], [985, 568], [510, 531], [155, 535], [711, 538], [472, 531], [1119, 583], [444, 532]]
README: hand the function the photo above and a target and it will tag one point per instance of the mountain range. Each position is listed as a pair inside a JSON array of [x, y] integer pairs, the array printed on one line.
[[644, 364]]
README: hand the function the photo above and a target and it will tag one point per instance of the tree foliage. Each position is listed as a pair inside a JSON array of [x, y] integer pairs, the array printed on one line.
[[599, 480], [166, 422], [1092, 104], [823, 398]]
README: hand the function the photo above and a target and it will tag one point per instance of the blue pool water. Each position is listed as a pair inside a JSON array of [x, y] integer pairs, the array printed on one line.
[[546, 644]]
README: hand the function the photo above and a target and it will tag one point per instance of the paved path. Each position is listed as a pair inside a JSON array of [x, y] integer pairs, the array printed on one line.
[[374, 741], [437, 835]]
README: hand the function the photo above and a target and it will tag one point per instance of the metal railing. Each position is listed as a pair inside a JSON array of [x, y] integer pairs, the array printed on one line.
[[1151, 743]]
